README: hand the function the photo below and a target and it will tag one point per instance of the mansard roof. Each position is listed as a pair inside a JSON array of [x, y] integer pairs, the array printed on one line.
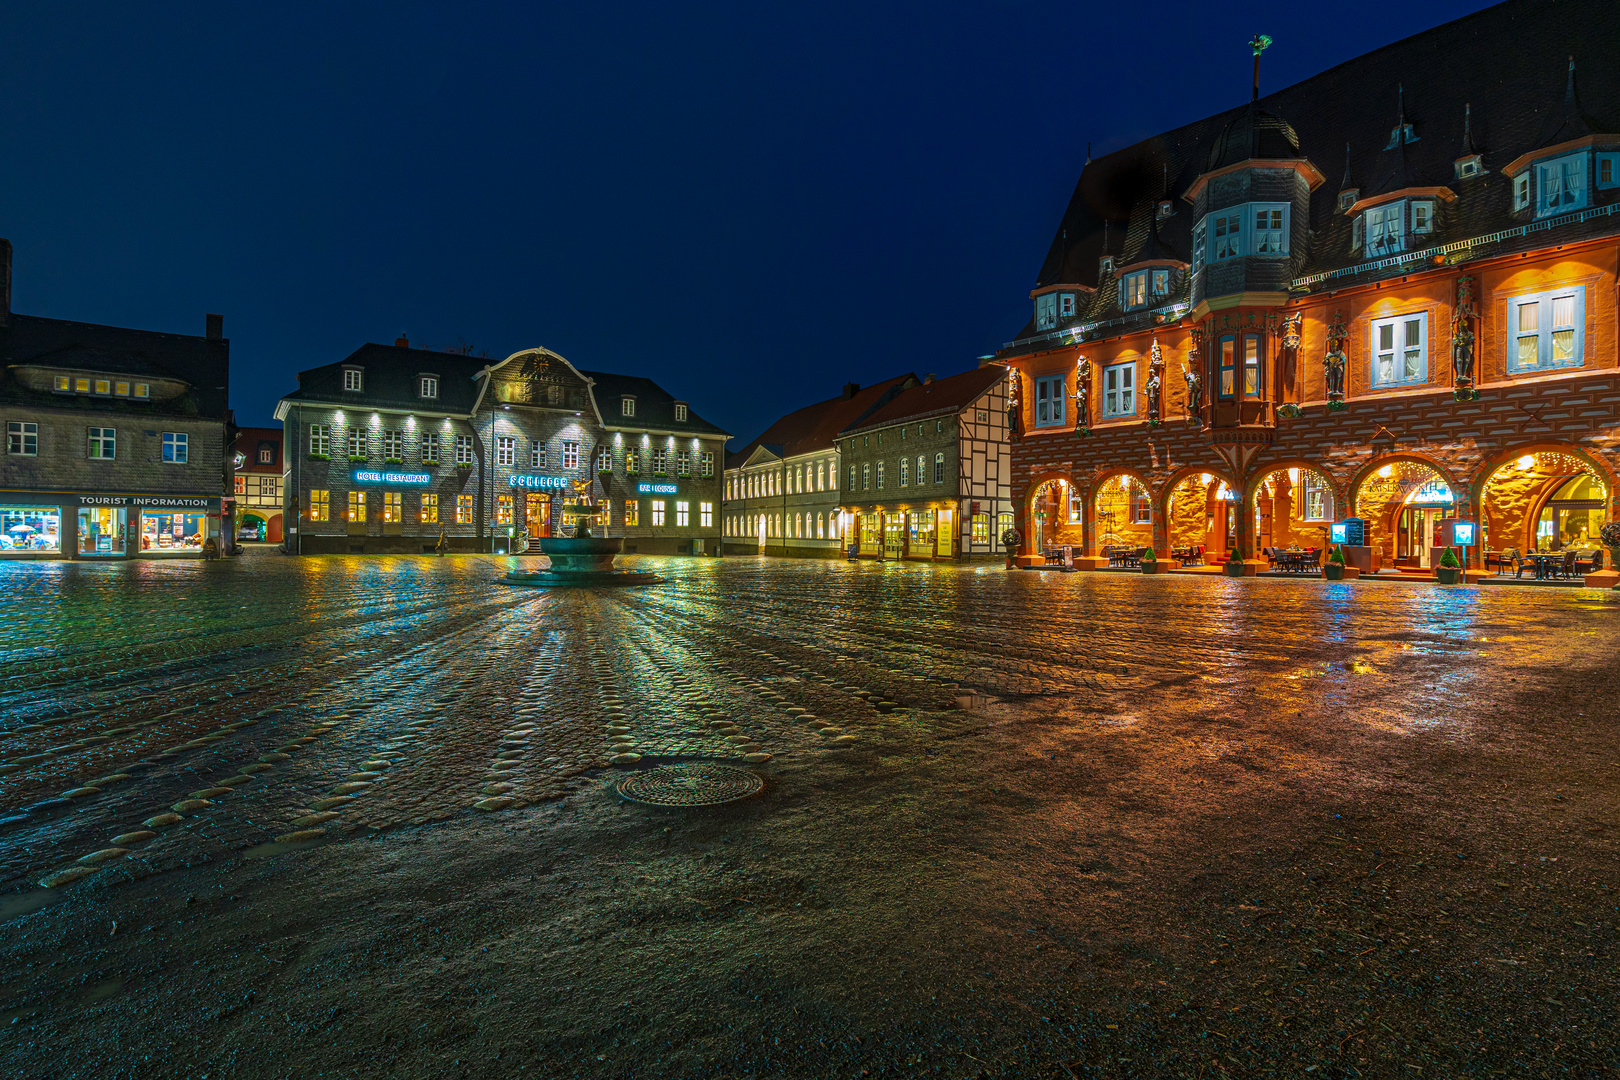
[[201, 363], [390, 379], [1495, 82]]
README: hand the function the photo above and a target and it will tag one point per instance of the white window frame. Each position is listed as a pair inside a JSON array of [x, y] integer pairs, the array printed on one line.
[[1119, 391], [705, 515], [1546, 330], [570, 454], [464, 450], [1133, 290], [354, 379], [604, 459], [1423, 217], [706, 463], [880, 476], [393, 445], [103, 443], [1389, 220], [939, 467], [176, 447], [905, 472], [428, 386], [1561, 184], [680, 411], [1198, 251], [1399, 350], [429, 447], [1226, 234], [358, 443], [320, 440], [267, 455], [658, 513], [537, 454], [505, 450], [1318, 491], [1270, 240], [1521, 190], [627, 406], [660, 461], [1050, 396], [1046, 311], [683, 515], [683, 463]]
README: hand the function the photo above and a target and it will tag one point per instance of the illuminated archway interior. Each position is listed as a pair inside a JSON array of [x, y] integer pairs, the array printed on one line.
[[1293, 507], [1403, 504], [1200, 512], [1124, 513], [1544, 501], [1054, 515]]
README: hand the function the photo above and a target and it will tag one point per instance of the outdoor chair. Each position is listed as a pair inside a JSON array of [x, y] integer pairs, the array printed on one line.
[[1566, 569], [1590, 566]]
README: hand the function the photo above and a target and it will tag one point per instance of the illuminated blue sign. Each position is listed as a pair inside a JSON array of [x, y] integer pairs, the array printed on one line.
[[552, 483], [1433, 492], [1462, 533], [656, 489], [376, 476]]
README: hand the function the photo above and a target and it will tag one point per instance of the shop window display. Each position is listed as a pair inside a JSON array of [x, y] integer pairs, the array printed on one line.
[[172, 532], [30, 528], [101, 530]]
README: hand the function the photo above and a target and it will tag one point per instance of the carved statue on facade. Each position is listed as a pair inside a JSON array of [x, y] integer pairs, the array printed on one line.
[[1082, 396], [1462, 341], [1192, 372], [1014, 381], [1335, 362], [1155, 383]]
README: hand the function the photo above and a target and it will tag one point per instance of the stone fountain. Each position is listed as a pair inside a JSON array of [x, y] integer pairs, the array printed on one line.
[[580, 559]]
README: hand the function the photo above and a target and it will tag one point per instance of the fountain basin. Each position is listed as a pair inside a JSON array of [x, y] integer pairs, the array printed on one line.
[[580, 561]]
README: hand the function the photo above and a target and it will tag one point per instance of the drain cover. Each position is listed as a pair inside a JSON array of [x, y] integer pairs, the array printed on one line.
[[697, 784]]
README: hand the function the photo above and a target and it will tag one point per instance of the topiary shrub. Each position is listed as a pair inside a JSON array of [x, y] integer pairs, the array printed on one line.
[[1449, 559]]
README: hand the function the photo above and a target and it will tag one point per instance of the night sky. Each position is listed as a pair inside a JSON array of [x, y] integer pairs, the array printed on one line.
[[750, 203]]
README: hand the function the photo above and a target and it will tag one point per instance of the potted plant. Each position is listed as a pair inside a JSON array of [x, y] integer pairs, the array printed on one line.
[[1333, 569], [1449, 569], [1234, 564], [1609, 535], [1151, 564]]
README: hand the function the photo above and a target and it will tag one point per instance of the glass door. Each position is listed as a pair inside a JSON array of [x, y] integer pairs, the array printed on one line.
[[893, 536]]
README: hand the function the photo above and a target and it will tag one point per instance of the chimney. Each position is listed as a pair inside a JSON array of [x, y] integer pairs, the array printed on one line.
[[5, 282], [402, 342], [928, 378], [214, 327], [851, 389]]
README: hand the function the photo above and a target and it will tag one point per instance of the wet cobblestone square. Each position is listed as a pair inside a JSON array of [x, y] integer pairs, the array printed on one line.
[[355, 817]]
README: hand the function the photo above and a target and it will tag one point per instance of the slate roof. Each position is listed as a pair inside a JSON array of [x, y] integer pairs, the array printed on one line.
[[390, 379], [655, 406], [816, 427], [117, 350], [249, 441], [1496, 82], [940, 397]]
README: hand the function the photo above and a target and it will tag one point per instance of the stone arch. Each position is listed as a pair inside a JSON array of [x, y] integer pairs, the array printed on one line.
[[1180, 529], [1294, 532], [1386, 519], [1026, 505], [1114, 522], [1513, 526]]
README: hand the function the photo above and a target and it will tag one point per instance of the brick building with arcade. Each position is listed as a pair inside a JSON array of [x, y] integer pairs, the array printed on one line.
[[1387, 293]]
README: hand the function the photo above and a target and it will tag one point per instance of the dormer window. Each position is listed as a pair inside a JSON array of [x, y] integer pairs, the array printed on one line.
[[1133, 290], [1422, 216], [1561, 184], [1468, 166], [1166, 208], [1046, 311], [427, 386], [1105, 266], [1347, 199], [1066, 305], [1382, 229], [353, 379], [1396, 135], [627, 405], [680, 411], [1608, 170], [1254, 228]]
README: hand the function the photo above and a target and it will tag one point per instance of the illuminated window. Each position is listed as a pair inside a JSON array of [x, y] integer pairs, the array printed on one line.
[[632, 461], [320, 440], [503, 509], [267, 455], [121, 389], [658, 512], [393, 507], [706, 515], [1228, 360], [64, 383], [241, 485], [103, 386], [430, 508], [570, 455], [632, 512], [320, 504], [103, 443], [430, 448], [357, 506], [142, 390], [464, 509], [979, 529], [1316, 498], [81, 386], [1251, 365], [175, 447], [683, 514], [1547, 330]]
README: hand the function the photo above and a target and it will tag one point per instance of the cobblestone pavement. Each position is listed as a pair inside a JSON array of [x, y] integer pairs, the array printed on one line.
[[354, 817]]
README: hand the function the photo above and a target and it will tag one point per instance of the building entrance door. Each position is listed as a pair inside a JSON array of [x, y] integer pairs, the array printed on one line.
[[894, 535], [1416, 535], [537, 515]]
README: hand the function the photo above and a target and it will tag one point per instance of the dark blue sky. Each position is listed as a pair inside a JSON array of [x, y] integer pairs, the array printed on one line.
[[750, 203]]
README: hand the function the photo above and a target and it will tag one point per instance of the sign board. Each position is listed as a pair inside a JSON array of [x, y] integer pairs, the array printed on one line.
[[1463, 533], [383, 476], [657, 489], [540, 483]]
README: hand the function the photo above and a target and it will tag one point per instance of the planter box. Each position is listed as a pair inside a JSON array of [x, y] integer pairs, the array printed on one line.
[[1157, 566], [1447, 575], [1239, 568], [1603, 579], [1335, 572], [1028, 560], [1090, 562]]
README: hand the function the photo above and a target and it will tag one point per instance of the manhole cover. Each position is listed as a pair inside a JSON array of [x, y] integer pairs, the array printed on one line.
[[698, 784]]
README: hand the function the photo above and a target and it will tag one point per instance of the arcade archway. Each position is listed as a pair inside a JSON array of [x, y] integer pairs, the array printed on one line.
[[1544, 500], [1293, 506], [1054, 515], [1200, 513], [1122, 508], [1403, 502]]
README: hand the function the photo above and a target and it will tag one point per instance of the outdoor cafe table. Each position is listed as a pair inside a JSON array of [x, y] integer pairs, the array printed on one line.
[[1545, 561]]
